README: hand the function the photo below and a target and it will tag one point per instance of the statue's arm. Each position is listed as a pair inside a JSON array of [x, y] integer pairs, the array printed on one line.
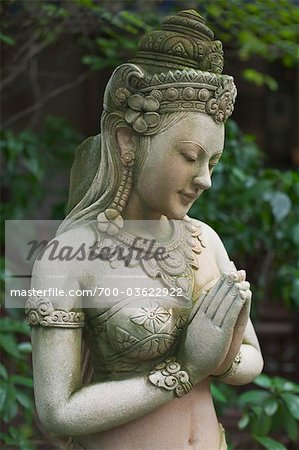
[[248, 363], [244, 360], [66, 407]]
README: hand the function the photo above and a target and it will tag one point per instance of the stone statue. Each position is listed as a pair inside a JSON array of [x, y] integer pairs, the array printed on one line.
[[169, 310]]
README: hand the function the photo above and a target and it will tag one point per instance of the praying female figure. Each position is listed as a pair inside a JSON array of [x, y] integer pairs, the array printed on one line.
[[129, 365]]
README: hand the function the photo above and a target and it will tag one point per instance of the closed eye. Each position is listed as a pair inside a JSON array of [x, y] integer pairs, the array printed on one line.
[[213, 162], [189, 158]]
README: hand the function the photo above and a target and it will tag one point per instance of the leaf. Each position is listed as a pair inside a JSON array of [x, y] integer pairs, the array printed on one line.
[[3, 372], [292, 402], [295, 292], [260, 79], [7, 39], [291, 426], [25, 347], [95, 62], [291, 387], [3, 395], [253, 396], [244, 421], [263, 381], [279, 383], [24, 381], [9, 343], [269, 444], [270, 406], [18, 439], [24, 400], [240, 176], [295, 234], [10, 407], [8, 324], [281, 205], [261, 424], [218, 394]]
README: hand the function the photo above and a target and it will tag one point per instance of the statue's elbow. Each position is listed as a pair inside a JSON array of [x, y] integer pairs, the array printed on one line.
[[53, 418], [255, 369], [249, 371], [258, 368]]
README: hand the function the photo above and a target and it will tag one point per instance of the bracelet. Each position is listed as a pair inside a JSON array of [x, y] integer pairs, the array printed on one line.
[[40, 311], [233, 368], [168, 375]]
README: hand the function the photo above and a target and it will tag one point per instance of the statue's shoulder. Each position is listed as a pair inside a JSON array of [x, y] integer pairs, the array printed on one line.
[[207, 233], [212, 242], [83, 233], [65, 251]]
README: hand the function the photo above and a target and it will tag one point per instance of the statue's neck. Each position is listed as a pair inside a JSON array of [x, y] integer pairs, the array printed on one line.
[[160, 230], [136, 209]]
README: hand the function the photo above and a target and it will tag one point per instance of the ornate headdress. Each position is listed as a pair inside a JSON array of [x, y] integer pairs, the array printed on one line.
[[177, 68]]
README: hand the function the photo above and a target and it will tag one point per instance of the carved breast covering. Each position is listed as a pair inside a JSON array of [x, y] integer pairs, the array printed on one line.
[[126, 335]]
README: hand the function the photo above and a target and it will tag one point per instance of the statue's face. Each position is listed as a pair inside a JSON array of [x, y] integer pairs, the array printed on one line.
[[179, 165]]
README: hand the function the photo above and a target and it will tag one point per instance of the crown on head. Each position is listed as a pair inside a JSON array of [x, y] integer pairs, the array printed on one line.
[[184, 41], [177, 68]]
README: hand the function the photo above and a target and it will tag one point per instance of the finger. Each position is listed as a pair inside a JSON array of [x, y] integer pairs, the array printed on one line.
[[243, 285], [241, 275], [243, 289], [238, 312], [244, 313], [196, 307], [242, 294], [212, 292], [219, 295], [224, 307]]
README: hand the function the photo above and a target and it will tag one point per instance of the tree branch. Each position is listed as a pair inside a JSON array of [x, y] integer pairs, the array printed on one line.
[[43, 101], [23, 64]]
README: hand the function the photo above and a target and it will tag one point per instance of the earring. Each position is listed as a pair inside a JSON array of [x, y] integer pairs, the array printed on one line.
[[110, 221]]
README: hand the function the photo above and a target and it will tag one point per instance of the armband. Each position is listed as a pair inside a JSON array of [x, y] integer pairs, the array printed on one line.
[[168, 375], [40, 311], [232, 369]]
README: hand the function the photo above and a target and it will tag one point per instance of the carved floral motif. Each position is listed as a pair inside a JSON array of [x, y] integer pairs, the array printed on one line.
[[142, 112], [221, 107], [169, 375], [151, 318]]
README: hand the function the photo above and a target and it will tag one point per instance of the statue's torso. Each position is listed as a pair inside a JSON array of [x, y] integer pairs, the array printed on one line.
[[127, 335]]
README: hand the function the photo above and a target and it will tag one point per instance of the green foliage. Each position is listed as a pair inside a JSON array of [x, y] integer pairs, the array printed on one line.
[[29, 159], [223, 396], [31, 165], [255, 210], [118, 39], [273, 408], [6, 39], [267, 29], [16, 395], [260, 79]]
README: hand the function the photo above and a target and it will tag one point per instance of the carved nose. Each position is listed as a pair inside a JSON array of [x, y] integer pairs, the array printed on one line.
[[203, 181]]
